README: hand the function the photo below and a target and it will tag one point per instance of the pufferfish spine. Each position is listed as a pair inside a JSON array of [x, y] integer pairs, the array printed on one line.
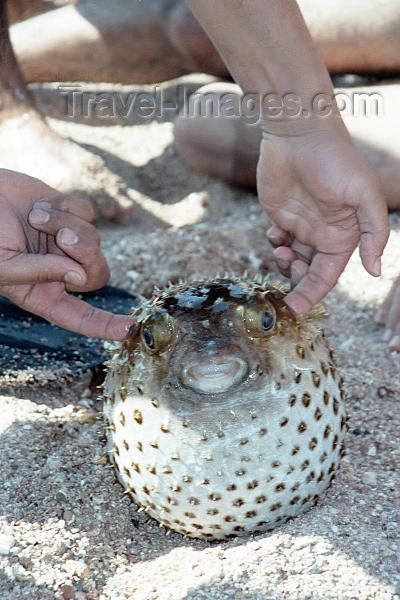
[[224, 411]]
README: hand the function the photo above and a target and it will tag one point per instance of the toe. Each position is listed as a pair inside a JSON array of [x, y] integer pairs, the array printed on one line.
[[394, 344], [392, 320], [383, 312]]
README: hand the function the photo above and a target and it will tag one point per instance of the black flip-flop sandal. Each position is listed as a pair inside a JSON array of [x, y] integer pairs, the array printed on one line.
[[28, 342]]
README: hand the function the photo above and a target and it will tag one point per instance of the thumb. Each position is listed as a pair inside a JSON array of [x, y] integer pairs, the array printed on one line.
[[41, 268], [374, 228]]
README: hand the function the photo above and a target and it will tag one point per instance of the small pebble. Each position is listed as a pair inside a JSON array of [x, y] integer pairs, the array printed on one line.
[[316, 570], [20, 574], [6, 543], [133, 275], [335, 529], [25, 561], [67, 592], [396, 589], [68, 516], [369, 478]]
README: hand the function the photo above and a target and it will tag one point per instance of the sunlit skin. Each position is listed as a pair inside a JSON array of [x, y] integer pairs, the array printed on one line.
[[342, 205], [228, 147], [48, 248]]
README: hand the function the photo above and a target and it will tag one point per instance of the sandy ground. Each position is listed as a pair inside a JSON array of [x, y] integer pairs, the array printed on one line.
[[66, 529]]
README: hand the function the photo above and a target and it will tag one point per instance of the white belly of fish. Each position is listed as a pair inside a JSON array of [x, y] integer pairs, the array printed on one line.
[[250, 473]]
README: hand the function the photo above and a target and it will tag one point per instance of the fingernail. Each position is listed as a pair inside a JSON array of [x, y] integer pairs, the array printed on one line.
[[387, 335], [378, 267], [68, 237], [74, 278], [279, 260], [395, 343], [42, 204], [39, 216], [272, 234]]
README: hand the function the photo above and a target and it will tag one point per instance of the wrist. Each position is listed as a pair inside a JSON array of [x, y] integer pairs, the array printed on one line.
[[292, 116], [303, 125]]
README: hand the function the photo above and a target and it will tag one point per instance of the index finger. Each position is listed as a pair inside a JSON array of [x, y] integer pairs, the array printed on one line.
[[320, 277], [76, 315]]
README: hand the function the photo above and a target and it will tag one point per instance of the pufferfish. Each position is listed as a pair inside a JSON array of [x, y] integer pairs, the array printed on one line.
[[224, 410]]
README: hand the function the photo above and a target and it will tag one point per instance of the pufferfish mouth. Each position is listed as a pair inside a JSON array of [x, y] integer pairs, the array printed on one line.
[[214, 377]]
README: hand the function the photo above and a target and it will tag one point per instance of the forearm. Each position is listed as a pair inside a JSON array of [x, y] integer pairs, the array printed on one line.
[[268, 49]]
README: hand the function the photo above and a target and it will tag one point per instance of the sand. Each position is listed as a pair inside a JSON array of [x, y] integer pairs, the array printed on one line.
[[67, 530]]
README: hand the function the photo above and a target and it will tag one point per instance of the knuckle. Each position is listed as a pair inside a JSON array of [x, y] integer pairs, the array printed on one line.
[[45, 276], [90, 319]]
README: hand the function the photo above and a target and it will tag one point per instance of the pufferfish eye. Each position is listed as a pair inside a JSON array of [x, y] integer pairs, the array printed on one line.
[[157, 332], [148, 338], [259, 319]]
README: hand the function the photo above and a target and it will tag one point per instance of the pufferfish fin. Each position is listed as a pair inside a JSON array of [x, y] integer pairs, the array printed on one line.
[[317, 313]]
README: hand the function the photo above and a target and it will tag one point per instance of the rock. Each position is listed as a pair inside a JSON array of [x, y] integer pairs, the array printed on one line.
[[61, 496], [67, 592], [335, 529], [316, 569], [6, 543], [25, 561], [396, 589], [133, 275], [83, 571], [20, 574], [68, 516], [369, 478]]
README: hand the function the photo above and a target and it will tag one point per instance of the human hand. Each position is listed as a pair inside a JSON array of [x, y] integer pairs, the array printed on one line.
[[48, 248], [325, 200]]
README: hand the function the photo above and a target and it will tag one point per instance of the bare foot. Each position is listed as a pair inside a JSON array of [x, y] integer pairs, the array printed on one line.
[[389, 316], [29, 146]]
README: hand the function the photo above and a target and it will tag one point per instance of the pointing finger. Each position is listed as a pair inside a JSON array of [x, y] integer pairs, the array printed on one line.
[[76, 315], [70, 312]]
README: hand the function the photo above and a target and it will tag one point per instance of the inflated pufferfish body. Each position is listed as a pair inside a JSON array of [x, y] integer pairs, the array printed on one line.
[[224, 410]]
